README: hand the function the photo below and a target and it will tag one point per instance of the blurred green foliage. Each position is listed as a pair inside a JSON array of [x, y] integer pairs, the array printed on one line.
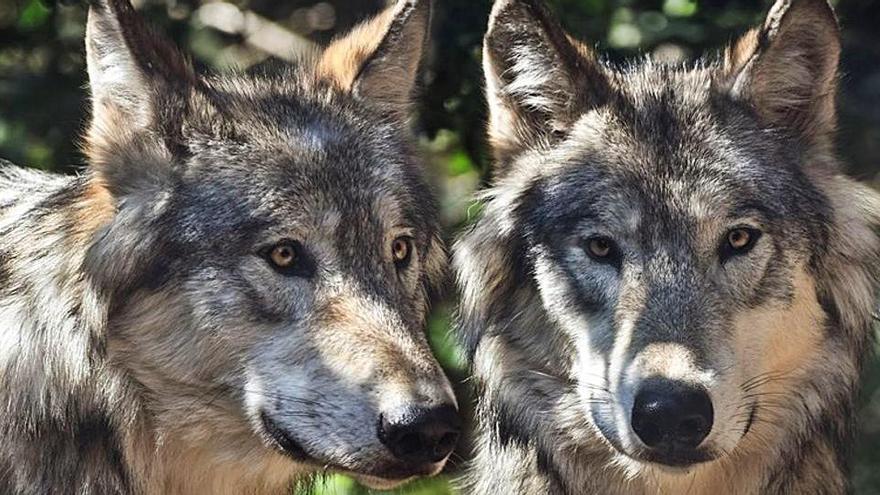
[[43, 102]]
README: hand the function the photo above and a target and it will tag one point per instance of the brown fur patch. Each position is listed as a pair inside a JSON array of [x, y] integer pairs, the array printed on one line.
[[95, 209], [343, 60], [738, 54], [354, 319], [106, 131]]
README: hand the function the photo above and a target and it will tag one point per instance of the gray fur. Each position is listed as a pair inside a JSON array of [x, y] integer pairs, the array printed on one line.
[[143, 334], [664, 160]]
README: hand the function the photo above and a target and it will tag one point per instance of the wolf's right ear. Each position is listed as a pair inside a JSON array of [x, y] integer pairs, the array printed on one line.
[[380, 59], [787, 69], [139, 85], [538, 79]]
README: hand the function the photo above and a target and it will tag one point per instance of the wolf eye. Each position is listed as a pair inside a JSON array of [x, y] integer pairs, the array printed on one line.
[[601, 249], [283, 256], [739, 241], [287, 258], [401, 250]]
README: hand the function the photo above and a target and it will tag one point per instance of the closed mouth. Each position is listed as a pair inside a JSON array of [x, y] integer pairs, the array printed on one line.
[[381, 479], [284, 442], [377, 483], [676, 459]]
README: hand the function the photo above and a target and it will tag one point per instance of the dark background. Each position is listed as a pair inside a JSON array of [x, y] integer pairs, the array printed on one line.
[[43, 106]]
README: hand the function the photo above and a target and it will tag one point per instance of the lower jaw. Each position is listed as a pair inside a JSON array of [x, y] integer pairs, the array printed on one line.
[[674, 470], [392, 480], [678, 468], [376, 483], [373, 481], [682, 468], [291, 449]]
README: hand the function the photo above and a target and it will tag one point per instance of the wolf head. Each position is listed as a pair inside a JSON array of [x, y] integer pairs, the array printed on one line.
[[270, 248], [680, 226]]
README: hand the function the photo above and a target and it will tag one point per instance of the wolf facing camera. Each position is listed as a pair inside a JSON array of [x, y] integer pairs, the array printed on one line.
[[671, 285]]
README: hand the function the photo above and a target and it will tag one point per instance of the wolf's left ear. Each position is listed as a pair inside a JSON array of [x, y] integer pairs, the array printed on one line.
[[380, 59], [538, 79], [139, 85], [787, 69]]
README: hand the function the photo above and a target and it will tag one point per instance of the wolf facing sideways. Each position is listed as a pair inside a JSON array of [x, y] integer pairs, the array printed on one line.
[[671, 284], [233, 294]]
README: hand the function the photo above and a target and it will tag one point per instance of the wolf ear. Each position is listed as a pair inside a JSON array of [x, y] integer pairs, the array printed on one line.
[[538, 79], [380, 59], [139, 85], [787, 69]]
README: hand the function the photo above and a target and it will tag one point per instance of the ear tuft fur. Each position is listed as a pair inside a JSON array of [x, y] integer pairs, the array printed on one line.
[[130, 66], [538, 79], [787, 70], [380, 59], [140, 87]]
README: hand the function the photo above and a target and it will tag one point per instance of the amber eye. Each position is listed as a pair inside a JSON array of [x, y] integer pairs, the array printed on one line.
[[599, 247], [739, 238], [283, 256], [739, 241], [602, 250], [401, 250], [288, 258]]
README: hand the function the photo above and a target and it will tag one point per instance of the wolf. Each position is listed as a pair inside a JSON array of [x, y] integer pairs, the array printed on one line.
[[231, 297], [670, 285]]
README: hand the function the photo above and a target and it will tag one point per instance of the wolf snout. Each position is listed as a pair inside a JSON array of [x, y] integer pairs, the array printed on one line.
[[420, 435], [672, 417]]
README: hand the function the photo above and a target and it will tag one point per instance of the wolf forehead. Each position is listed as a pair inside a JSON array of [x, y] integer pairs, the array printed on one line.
[[667, 148], [282, 154]]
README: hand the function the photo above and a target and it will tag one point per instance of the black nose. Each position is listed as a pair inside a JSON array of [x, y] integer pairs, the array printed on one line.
[[669, 415], [420, 435]]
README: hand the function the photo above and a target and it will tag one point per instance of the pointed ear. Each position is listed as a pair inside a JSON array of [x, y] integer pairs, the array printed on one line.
[[380, 59], [787, 69], [538, 79], [139, 85]]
